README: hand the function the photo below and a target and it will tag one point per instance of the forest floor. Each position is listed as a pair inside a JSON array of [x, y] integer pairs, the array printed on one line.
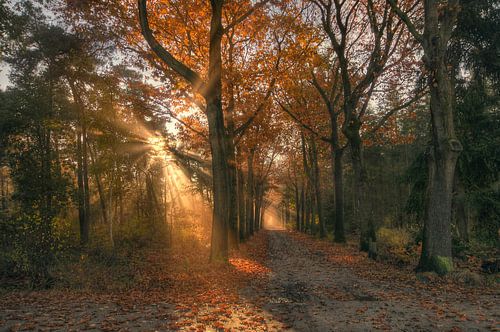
[[280, 280]]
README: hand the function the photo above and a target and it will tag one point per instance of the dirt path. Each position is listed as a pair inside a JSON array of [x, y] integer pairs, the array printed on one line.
[[309, 292], [283, 281]]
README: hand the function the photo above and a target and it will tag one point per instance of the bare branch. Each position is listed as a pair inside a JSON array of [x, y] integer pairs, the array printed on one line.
[[303, 125], [406, 19], [322, 92], [182, 122], [390, 113]]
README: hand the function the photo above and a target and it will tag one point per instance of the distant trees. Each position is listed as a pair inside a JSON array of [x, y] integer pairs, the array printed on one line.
[[474, 43]]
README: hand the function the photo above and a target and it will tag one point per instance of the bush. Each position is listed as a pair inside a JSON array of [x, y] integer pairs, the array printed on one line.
[[28, 248], [98, 268], [393, 245], [394, 237]]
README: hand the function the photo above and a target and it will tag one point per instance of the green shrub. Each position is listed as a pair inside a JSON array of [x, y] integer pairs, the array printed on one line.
[[393, 244], [394, 237], [31, 250]]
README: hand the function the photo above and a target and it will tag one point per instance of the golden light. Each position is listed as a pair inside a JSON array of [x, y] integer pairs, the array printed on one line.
[[158, 146]]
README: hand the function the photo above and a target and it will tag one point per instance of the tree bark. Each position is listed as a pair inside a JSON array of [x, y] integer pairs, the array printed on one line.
[[308, 226], [297, 206], [317, 187], [218, 141], [241, 204], [365, 214], [445, 149], [338, 178], [3, 184], [85, 169], [223, 207], [302, 206], [84, 227], [250, 194]]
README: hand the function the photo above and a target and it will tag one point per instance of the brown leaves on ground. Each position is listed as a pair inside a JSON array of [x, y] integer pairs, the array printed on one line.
[[348, 255], [176, 289], [446, 297]]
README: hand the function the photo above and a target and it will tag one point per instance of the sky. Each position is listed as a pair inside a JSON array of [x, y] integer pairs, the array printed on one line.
[[4, 79]]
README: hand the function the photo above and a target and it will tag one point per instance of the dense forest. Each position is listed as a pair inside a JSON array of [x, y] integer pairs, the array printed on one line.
[[249, 165]]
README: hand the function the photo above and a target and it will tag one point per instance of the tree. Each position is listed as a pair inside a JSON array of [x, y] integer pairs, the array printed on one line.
[[439, 22], [35, 110], [371, 31], [211, 91]]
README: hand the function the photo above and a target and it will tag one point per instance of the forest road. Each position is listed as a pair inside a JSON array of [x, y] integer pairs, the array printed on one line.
[[309, 291], [302, 284]]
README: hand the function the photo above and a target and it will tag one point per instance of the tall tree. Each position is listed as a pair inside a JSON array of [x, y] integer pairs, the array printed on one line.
[[439, 23], [364, 37], [210, 89]]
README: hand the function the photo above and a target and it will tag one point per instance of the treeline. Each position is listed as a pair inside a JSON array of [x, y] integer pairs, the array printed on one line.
[[74, 152]]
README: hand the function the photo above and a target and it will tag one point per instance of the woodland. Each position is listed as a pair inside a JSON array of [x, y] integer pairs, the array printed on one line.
[[249, 165]]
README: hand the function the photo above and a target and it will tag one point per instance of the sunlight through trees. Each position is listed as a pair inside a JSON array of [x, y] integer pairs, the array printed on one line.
[[153, 145]]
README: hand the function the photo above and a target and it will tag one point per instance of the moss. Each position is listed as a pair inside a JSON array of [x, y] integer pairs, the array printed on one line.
[[442, 265]]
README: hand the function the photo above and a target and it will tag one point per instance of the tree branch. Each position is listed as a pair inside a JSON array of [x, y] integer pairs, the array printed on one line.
[[303, 125], [167, 111], [406, 19], [241, 129], [322, 92], [390, 113], [180, 68], [245, 15]]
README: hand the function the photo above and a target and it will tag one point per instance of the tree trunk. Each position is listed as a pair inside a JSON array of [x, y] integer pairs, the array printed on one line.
[[445, 149], [337, 154], [84, 227], [338, 179], [258, 207], [287, 210], [234, 227], [222, 179], [47, 157], [241, 204], [3, 184], [97, 177], [367, 238], [111, 214], [297, 207], [317, 188], [307, 225], [82, 209], [85, 169], [443, 155], [250, 194], [302, 206]]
